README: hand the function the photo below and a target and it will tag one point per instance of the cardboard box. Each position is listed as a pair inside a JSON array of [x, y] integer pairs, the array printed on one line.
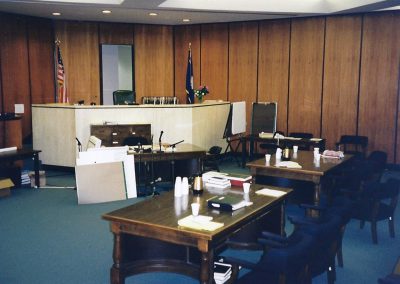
[[5, 187], [42, 176]]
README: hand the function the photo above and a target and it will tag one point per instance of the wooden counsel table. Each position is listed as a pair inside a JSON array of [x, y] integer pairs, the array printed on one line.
[[185, 160], [289, 141], [310, 171], [147, 236]]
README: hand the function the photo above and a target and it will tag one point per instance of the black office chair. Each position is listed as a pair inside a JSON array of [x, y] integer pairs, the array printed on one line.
[[284, 260], [212, 159], [270, 148], [303, 135], [124, 97], [377, 202], [353, 144], [135, 141]]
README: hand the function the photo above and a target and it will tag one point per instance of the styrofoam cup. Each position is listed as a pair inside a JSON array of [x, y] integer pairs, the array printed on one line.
[[195, 209], [246, 187]]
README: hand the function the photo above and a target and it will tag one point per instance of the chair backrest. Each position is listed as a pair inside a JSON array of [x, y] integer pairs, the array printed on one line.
[[123, 97], [301, 135], [135, 140], [353, 144], [215, 150]]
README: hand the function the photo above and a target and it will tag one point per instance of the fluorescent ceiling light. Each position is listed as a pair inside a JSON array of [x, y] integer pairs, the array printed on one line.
[[106, 12], [56, 14], [153, 14]]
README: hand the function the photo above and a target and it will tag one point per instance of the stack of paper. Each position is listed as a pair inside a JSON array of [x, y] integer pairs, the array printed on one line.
[[222, 272], [270, 192], [288, 164], [218, 182], [199, 223]]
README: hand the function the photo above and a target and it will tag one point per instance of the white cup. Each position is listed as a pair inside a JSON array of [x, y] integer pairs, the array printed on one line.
[[267, 157], [178, 187], [295, 148], [278, 155], [246, 187], [317, 156], [195, 209], [316, 150], [185, 186]]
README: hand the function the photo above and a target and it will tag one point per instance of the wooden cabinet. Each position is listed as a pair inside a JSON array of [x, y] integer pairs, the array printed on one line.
[[114, 135]]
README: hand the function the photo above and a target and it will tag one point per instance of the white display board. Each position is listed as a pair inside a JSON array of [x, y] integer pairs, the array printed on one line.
[[238, 117]]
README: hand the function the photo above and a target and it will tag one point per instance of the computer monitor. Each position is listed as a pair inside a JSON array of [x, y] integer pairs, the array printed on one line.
[[93, 143]]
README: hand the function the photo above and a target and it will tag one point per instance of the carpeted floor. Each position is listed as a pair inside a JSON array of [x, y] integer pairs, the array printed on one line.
[[46, 237]]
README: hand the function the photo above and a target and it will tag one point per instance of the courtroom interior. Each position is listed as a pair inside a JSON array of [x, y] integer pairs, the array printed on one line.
[[187, 141]]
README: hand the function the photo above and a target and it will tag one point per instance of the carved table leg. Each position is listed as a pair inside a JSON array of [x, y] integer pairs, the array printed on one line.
[[116, 275], [207, 267]]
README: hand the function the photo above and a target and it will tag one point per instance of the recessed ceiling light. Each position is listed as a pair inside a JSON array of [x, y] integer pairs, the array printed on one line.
[[153, 14], [185, 20], [56, 14], [106, 12]]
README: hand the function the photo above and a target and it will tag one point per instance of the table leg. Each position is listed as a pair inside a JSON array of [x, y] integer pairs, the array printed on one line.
[[116, 275], [207, 267], [36, 166], [244, 144]]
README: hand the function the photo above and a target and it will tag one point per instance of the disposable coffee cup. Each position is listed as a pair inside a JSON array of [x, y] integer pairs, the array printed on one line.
[[267, 157], [195, 209], [295, 148], [246, 187]]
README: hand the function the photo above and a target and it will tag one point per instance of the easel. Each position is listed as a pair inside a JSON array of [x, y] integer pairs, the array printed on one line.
[[234, 134]]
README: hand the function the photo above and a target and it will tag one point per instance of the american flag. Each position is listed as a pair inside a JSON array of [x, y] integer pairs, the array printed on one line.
[[61, 82]]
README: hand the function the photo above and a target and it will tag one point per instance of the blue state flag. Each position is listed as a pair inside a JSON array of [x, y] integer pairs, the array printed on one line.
[[189, 80]]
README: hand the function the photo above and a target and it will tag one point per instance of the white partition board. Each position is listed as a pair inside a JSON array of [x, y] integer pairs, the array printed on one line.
[[238, 117], [101, 182], [113, 154]]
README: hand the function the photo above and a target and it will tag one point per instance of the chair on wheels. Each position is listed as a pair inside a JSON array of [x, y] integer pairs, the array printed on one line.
[[211, 161], [303, 135], [353, 144], [270, 148], [377, 202], [377, 160], [123, 97]]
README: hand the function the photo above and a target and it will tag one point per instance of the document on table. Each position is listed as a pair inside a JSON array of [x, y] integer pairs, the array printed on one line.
[[288, 164], [200, 223], [270, 192]]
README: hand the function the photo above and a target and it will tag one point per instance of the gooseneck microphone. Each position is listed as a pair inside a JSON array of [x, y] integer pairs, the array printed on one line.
[[79, 144]]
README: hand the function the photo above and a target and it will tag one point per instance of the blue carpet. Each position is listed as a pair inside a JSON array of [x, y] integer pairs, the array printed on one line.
[[46, 237]]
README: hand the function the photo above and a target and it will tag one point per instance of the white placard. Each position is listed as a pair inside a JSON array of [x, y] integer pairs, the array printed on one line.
[[238, 117]]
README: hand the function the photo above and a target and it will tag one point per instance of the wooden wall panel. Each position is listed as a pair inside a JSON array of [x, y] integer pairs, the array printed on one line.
[[41, 60], [80, 52], [273, 67], [14, 65], [154, 74], [115, 33], [379, 81], [183, 35], [341, 77], [243, 55], [214, 60], [306, 65]]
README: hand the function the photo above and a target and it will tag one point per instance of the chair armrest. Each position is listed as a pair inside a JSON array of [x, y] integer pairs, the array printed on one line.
[[239, 262], [272, 243], [273, 237]]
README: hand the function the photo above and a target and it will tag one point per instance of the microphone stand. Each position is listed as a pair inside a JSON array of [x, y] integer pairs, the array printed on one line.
[[154, 192], [173, 160], [79, 144]]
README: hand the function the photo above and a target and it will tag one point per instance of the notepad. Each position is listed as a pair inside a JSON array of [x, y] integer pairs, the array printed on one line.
[[270, 192], [200, 222], [288, 164]]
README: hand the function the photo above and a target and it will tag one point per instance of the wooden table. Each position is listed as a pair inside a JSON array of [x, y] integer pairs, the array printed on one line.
[[185, 160], [147, 236], [20, 154], [289, 141], [310, 171]]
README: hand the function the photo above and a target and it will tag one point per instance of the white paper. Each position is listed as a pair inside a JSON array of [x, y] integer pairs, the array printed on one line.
[[270, 192]]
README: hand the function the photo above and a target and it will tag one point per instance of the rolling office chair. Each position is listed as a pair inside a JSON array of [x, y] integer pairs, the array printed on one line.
[[302, 135], [124, 97]]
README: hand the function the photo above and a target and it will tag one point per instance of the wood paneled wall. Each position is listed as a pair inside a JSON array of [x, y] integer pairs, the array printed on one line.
[[330, 75]]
